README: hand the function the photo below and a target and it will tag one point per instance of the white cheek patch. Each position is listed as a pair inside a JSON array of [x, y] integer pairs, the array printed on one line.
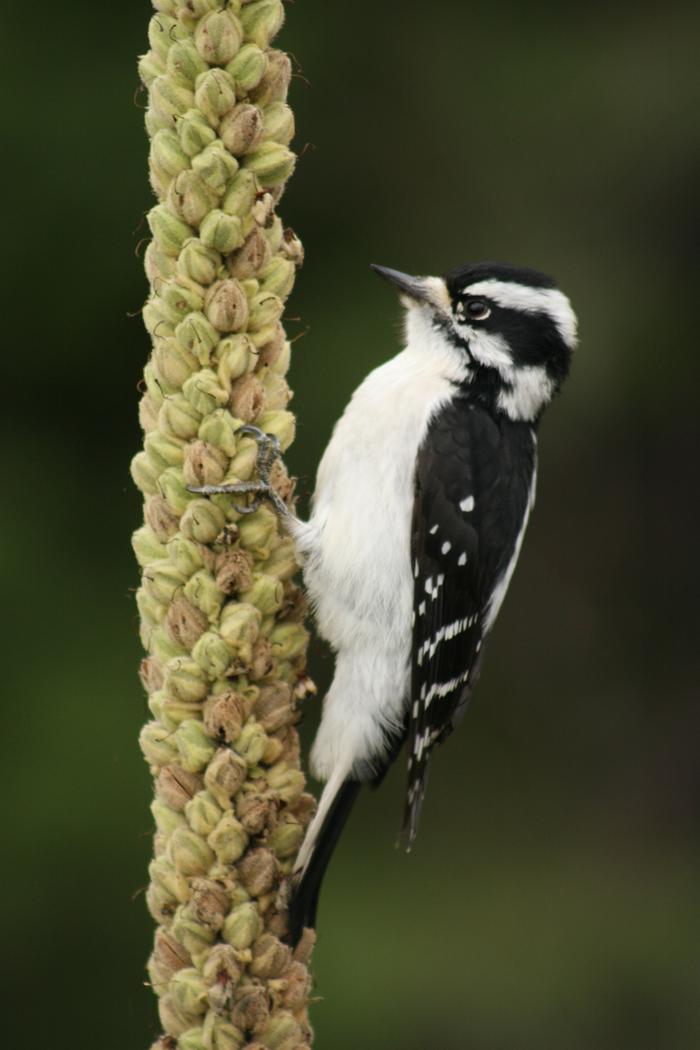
[[548, 301], [530, 390], [487, 348]]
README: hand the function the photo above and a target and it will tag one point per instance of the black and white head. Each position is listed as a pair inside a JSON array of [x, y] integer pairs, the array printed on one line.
[[513, 329]]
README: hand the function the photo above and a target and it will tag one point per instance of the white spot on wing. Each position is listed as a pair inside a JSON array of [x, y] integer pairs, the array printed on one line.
[[446, 547], [467, 504], [462, 560]]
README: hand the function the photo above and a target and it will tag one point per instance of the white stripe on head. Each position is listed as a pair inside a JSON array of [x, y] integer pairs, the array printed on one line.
[[514, 296]]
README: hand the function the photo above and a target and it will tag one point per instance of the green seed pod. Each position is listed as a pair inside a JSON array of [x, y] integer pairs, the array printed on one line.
[[178, 418], [182, 296], [278, 277], [194, 132], [171, 1019], [240, 625], [251, 743], [218, 37], [202, 591], [215, 94], [203, 390], [162, 581], [222, 1035], [184, 63], [247, 68], [281, 424], [169, 231], [158, 265], [144, 474], [185, 680], [147, 547], [283, 562], [215, 166], [236, 356], [187, 556], [212, 654], [194, 746], [262, 20], [282, 1033], [170, 99], [266, 592], [202, 521], [192, 935], [278, 123], [162, 646], [242, 927], [228, 839], [240, 194], [224, 776], [172, 488], [172, 364], [150, 66], [189, 993], [192, 1039], [168, 154], [274, 85], [285, 839], [287, 782], [166, 819], [265, 311], [226, 306], [162, 32], [190, 197], [198, 262], [164, 874], [198, 336], [203, 813], [219, 428], [163, 451], [242, 129], [274, 233], [221, 231], [271, 163], [157, 744]]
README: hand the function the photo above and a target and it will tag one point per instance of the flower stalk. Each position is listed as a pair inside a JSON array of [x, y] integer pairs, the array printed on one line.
[[221, 618]]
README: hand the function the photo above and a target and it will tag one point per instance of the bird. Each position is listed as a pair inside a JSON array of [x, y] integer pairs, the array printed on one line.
[[421, 503]]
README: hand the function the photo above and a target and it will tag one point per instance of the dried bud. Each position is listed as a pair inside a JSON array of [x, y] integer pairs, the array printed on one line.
[[259, 871], [216, 166], [256, 812], [189, 993], [209, 902], [185, 681], [198, 262], [247, 398], [282, 1032], [202, 521], [236, 357], [229, 839], [234, 571], [175, 786], [240, 194], [215, 94], [275, 83], [248, 68], [218, 37], [223, 716], [194, 133], [252, 257], [194, 745], [193, 935], [222, 967], [241, 928], [262, 20], [224, 776], [270, 957], [273, 708], [169, 231], [184, 63], [158, 265], [292, 247], [226, 306], [184, 623], [168, 955], [151, 674], [160, 518], [221, 231], [203, 813], [147, 547], [190, 197], [242, 129], [170, 99], [204, 464]]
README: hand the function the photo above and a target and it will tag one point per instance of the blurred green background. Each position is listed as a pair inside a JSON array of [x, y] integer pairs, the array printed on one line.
[[553, 899]]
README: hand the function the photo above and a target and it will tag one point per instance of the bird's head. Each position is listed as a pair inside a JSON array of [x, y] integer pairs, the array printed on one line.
[[515, 329]]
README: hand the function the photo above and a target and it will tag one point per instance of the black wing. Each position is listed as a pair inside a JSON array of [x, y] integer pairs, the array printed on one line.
[[472, 489]]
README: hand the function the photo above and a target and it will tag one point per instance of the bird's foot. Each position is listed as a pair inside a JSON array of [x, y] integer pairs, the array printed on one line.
[[268, 452]]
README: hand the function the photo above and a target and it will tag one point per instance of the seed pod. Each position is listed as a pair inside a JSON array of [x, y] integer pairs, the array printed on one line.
[[221, 232], [176, 786], [275, 83], [226, 306], [215, 94], [215, 166], [262, 20], [194, 132], [242, 927], [242, 129], [248, 68], [203, 813]]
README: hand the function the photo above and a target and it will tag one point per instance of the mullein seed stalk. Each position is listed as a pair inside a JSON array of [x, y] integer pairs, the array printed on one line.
[[221, 617]]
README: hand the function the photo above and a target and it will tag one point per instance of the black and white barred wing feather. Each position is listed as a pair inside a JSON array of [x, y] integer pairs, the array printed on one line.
[[470, 505]]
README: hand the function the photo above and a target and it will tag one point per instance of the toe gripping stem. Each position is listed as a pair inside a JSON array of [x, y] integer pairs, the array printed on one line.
[[268, 452]]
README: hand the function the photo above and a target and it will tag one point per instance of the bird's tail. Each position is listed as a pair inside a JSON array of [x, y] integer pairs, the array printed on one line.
[[321, 837]]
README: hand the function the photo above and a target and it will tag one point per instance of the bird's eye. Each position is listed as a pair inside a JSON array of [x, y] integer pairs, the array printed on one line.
[[478, 310]]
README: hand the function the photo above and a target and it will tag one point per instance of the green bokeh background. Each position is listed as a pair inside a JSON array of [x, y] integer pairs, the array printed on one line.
[[553, 898]]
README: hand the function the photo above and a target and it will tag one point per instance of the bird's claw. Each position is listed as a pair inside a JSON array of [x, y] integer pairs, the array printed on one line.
[[268, 452]]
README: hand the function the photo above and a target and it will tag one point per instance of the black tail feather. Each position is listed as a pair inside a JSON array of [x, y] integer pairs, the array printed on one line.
[[304, 897]]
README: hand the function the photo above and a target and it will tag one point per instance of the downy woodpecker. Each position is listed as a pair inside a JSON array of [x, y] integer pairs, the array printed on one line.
[[421, 503]]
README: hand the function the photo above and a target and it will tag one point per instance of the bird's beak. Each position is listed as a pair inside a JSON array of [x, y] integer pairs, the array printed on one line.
[[429, 290]]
